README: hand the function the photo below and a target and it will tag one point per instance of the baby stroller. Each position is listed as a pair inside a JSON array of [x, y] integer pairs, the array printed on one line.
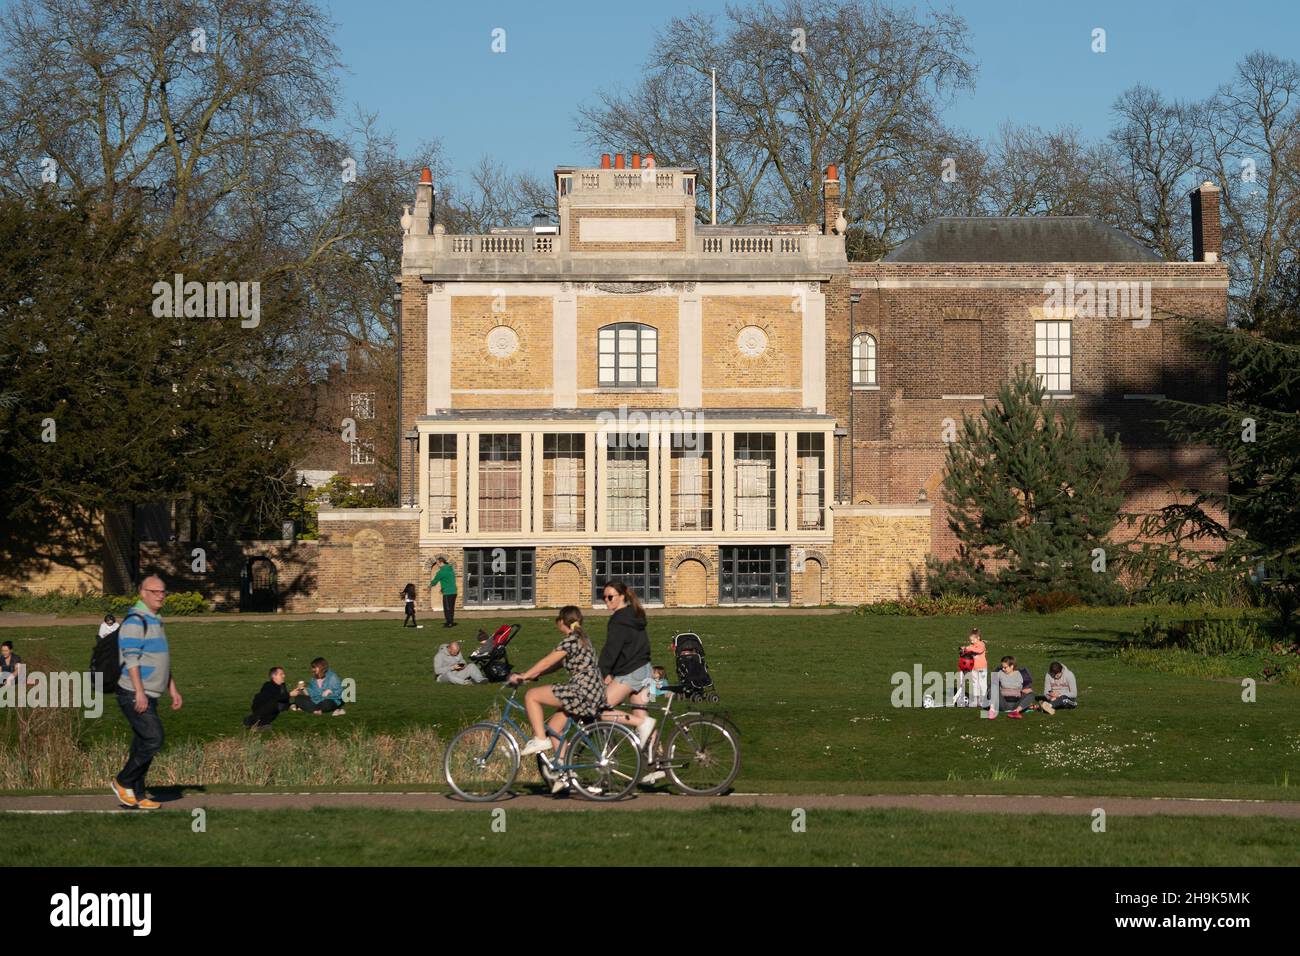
[[490, 655], [688, 649]]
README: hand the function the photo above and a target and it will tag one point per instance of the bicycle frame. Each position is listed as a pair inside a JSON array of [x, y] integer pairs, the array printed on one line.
[[572, 732]]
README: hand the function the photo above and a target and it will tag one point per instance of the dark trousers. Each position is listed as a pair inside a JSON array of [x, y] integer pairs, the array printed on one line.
[[146, 741], [1020, 701], [265, 714], [1061, 703], [449, 609], [325, 706], [410, 614]]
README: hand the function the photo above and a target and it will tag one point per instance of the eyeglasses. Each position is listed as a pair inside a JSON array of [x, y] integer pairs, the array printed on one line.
[[610, 597], [155, 591]]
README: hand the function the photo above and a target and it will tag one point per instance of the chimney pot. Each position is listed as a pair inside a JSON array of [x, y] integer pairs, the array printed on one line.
[[650, 160], [619, 162], [426, 177], [604, 160], [636, 160], [832, 173]]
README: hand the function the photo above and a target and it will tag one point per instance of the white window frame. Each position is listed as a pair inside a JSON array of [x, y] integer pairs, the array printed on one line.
[[365, 401], [1054, 355], [615, 368], [863, 359], [362, 451]]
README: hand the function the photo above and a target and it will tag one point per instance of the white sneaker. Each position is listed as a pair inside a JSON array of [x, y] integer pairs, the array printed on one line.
[[654, 776], [338, 713], [536, 745], [560, 784], [645, 729]]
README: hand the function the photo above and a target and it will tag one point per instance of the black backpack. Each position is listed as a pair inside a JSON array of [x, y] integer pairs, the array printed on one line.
[[106, 659]]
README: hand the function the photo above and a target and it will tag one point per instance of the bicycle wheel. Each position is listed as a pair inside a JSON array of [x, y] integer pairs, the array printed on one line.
[[481, 762], [604, 760], [702, 756]]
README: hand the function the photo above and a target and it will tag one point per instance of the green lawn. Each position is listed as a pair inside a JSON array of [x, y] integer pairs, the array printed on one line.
[[811, 696], [721, 836]]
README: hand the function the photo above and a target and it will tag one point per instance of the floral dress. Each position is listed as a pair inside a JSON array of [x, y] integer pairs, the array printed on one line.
[[583, 696]]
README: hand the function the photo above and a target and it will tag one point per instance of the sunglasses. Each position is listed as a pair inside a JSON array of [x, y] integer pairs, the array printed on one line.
[[610, 597]]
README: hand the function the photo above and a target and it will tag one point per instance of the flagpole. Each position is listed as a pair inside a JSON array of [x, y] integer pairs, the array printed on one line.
[[713, 177]]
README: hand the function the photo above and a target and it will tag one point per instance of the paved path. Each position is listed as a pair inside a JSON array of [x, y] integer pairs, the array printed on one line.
[[431, 619], [1082, 806]]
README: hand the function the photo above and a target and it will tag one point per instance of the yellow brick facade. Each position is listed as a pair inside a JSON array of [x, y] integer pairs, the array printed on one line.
[[480, 379]]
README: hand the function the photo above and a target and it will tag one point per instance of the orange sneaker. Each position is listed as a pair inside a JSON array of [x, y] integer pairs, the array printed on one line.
[[144, 803], [125, 795]]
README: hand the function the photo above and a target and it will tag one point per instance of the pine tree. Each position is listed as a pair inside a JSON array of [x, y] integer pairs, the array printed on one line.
[[1031, 498], [1256, 430]]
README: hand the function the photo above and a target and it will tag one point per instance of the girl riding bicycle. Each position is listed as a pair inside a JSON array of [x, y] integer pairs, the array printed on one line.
[[582, 698]]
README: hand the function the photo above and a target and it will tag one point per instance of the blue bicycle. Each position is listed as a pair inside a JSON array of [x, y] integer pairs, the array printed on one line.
[[600, 760]]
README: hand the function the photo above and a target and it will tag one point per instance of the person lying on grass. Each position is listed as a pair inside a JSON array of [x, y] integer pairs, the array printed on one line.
[[1062, 689], [1015, 687], [323, 694], [269, 702], [581, 698]]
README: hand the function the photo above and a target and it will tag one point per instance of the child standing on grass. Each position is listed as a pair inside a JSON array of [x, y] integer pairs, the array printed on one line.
[[978, 675], [408, 596]]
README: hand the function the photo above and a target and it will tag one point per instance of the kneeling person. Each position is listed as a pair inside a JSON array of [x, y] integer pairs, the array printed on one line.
[[269, 702]]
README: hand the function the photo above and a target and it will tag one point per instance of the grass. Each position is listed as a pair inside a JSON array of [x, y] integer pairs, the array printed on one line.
[[811, 696], [718, 836]]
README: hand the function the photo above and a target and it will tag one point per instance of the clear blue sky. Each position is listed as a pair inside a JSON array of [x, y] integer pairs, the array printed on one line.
[[427, 69]]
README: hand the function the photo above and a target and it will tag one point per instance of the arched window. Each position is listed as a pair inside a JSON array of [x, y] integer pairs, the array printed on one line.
[[864, 359], [629, 355]]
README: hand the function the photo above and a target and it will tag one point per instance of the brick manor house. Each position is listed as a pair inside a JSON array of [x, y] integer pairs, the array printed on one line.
[[737, 415]]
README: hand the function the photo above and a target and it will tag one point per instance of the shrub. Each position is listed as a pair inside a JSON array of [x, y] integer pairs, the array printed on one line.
[[1204, 636], [178, 603], [927, 607], [1051, 602]]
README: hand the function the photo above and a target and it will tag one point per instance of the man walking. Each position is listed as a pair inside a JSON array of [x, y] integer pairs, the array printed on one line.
[[444, 578], [146, 674]]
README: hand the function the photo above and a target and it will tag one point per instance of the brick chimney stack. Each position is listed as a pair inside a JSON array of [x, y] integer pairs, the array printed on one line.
[[1207, 238], [832, 212]]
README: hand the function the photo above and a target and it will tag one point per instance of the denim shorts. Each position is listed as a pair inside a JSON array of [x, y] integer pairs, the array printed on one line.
[[640, 678]]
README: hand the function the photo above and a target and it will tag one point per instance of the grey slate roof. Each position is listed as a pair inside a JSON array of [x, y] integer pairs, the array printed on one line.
[[1020, 239]]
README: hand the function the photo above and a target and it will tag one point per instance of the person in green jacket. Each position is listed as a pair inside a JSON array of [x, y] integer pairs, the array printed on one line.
[[444, 577]]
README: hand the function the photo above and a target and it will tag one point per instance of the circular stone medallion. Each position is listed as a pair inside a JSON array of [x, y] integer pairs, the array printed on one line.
[[502, 342], [752, 341]]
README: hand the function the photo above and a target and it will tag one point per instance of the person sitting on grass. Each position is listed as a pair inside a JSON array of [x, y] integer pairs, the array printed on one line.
[[1062, 690], [452, 669], [323, 693], [1015, 688], [269, 702], [581, 698], [11, 665]]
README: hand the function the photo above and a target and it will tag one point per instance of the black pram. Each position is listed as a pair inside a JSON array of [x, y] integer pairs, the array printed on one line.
[[490, 655], [696, 683]]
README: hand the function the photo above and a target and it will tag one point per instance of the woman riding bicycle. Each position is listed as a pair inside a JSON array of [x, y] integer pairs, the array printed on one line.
[[625, 658], [582, 698]]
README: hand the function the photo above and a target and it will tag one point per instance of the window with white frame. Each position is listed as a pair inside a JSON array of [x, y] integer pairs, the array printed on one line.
[[628, 355], [564, 482], [363, 451], [864, 359], [627, 485], [500, 482], [442, 482], [756, 485], [811, 481], [363, 405], [1052, 356]]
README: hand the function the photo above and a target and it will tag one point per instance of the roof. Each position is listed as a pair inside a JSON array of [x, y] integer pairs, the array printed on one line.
[[1020, 239]]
